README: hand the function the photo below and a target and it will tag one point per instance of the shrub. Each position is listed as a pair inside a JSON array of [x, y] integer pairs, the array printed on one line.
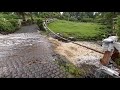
[[9, 16], [36, 19], [39, 22], [73, 19], [87, 20], [8, 23], [14, 22], [7, 26]]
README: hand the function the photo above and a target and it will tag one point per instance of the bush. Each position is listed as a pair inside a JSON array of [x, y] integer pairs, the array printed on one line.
[[8, 23], [14, 22], [39, 22], [36, 19], [9, 16], [73, 19], [7, 26], [87, 20]]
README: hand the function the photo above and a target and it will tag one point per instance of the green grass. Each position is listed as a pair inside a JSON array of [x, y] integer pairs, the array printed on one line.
[[81, 31], [70, 68]]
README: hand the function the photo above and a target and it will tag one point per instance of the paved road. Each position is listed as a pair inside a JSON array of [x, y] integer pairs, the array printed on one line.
[[27, 54]]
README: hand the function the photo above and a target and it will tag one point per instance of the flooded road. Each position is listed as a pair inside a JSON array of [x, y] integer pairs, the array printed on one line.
[[27, 54]]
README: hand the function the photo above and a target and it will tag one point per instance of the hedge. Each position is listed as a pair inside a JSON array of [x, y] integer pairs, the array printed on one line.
[[8, 26]]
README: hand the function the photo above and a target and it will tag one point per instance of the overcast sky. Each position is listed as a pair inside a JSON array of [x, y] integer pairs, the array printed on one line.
[[61, 13]]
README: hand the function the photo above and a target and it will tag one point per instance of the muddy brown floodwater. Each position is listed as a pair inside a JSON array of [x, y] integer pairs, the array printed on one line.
[[78, 54], [84, 58]]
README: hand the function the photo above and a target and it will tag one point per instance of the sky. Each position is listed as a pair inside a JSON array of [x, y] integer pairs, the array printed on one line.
[[61, 13], [93, 13]]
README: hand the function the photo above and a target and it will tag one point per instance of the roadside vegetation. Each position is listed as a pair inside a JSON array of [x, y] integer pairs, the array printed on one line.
[[84, 71], [8, 23]]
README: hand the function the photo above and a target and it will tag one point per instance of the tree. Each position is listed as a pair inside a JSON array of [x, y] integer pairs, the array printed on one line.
[[106, 18], [78, 15], [21, 14], [67, 15]]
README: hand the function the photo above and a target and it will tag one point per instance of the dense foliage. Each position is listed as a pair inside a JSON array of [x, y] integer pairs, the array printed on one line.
[[39, 22], [8, 23], [7, 26]]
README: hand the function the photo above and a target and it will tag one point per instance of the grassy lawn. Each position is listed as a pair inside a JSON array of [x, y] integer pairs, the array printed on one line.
[[81, 31]]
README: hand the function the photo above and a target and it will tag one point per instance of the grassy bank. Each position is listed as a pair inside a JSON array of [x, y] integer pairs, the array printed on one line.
[[80, 31]]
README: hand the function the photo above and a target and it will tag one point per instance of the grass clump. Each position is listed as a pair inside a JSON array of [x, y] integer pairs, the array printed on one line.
[[70, 68]]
